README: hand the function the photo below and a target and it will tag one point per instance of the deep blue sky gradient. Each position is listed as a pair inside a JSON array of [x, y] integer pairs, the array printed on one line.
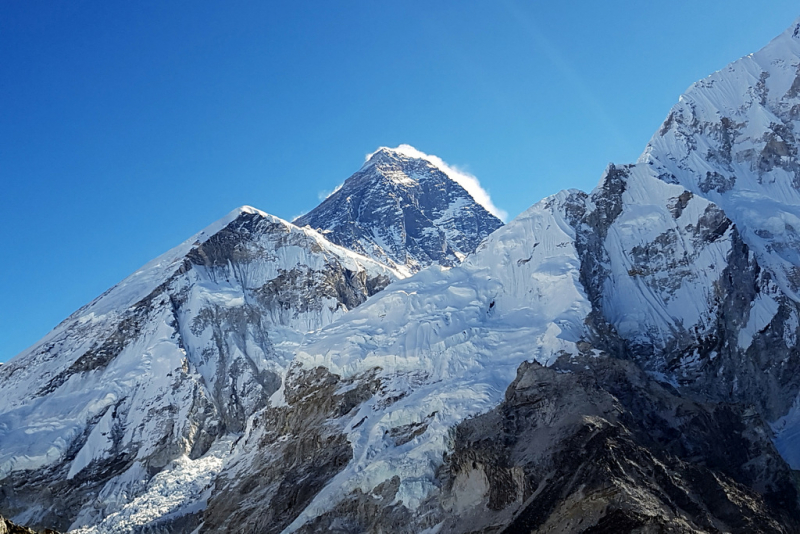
[[125, 127]]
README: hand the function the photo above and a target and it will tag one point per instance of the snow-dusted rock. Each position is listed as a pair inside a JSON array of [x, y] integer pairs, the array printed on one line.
[[406, 209], [161, 366], [733, 138]]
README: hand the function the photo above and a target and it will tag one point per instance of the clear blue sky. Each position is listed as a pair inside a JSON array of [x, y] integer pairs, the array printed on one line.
[[125, 127]]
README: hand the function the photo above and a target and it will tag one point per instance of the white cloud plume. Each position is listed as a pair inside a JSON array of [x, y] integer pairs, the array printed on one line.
[[322, 195]]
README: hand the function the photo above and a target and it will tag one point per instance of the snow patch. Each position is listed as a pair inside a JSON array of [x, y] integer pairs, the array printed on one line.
[[762, 311]]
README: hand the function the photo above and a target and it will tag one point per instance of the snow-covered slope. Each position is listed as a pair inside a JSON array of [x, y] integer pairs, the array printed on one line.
[[733, 138], [639, 268], [158, 368], [425, 354], [646, 267], [405, 209]]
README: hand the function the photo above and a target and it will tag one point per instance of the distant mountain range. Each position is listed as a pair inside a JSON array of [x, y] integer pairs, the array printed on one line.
[[398, 360]]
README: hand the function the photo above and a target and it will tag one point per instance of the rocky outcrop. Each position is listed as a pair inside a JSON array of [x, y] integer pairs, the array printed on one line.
[[7, 527], [595, 445], [403, 210], [587, 445], [299, 447]]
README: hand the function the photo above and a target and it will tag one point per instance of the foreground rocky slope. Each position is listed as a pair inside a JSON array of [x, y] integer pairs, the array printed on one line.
[[595, 445], [9, 527], [591, 444]]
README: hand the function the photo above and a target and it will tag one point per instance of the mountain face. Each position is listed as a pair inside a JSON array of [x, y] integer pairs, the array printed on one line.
[[619, 361], [436, 353], [150, 377], [733, 139], [404, 210], [676, 326], [386, 386]]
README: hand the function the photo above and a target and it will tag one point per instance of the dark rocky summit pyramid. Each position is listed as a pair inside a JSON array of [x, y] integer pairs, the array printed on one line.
[[403, 209]]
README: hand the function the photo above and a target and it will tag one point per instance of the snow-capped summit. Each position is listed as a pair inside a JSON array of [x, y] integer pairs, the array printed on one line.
[[733, 138], [408, 210]]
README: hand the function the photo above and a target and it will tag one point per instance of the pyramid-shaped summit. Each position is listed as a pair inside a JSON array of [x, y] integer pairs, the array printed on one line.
[[404, 208]]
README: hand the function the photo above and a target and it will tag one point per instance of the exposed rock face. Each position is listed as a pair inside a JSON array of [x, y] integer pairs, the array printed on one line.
[[299, 447], [674, 286], [140, 385], [732, 139], [404, 211], [8, 527], [594, 445]]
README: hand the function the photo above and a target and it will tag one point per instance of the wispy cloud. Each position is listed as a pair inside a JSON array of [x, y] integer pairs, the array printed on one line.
[[322, 195]]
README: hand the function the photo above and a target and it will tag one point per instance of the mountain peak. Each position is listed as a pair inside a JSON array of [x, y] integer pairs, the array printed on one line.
[[408, 210], [733, 138], [405, 155]]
